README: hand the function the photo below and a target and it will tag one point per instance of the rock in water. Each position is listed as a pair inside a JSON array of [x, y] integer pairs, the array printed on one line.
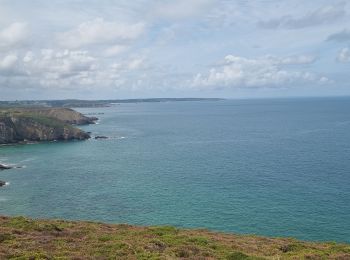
[[5, 167], [101, 137], [2, 183]]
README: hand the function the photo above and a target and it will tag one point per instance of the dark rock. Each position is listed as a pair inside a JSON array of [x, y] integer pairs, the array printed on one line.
[[91, 120], [92, 114], [2, 183], [5, 167], [101, 137]]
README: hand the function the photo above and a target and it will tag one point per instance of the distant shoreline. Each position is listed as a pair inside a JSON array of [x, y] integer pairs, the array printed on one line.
[[76, 103]]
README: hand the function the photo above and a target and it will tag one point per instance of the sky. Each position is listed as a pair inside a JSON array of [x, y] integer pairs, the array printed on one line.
[[111, 49]]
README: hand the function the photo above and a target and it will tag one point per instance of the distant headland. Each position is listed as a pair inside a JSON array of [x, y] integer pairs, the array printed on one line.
[[94, 103], [21, 125], [51, 120]]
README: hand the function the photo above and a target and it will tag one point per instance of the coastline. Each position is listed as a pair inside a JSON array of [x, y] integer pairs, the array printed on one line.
[[22, 126], [63, 215]]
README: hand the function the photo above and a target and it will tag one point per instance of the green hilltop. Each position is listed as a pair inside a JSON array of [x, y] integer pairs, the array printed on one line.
[[23, 238]]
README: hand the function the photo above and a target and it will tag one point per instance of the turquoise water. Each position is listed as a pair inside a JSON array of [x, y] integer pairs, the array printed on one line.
[[269, 167]]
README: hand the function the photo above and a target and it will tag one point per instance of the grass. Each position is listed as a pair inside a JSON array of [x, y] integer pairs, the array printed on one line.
[[23, 238], [31, 114]]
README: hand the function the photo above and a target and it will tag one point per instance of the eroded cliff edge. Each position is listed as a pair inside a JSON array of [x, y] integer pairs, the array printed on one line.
[[41, 124]]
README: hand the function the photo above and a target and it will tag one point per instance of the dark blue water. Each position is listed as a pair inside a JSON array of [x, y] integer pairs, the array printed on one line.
[[268, 167]]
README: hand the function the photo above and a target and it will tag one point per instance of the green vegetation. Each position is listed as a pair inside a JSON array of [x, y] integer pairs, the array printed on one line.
[[28, 114], [22, 238], [54, 117]]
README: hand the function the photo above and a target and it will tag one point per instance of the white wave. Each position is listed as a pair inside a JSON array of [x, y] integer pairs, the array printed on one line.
[[13, 165], [28, 159], [118, 137]]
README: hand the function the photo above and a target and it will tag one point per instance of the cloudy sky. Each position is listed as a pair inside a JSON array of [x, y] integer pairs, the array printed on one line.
[[98, 49]]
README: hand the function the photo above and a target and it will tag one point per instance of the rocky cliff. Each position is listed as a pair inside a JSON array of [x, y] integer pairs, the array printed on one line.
[[20, 125]]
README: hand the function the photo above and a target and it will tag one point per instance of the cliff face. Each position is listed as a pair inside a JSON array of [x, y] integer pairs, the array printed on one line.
[[7, 131], [19, 126]]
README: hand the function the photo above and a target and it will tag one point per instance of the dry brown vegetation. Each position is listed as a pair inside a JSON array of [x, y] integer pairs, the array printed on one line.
[[22, 238]]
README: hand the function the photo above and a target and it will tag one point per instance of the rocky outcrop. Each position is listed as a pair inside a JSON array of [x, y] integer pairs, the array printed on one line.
[[4, 167], [101, 137], [18, 126], [2, 183]]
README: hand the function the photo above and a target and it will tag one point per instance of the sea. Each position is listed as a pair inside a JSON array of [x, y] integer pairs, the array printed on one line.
[[269, 167]]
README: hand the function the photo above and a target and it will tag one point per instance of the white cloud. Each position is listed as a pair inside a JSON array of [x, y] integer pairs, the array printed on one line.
[[8, 62], [297, 60], [344, 55], [135, 63], [99, 31], [157, 45], [322, 15], [69, 69], [59, 67], [28, 56], [13, 35], [114, 50], [262, 72], [182, 8]]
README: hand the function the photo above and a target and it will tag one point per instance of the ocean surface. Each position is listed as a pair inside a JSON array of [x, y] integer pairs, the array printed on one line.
[[278, 167]]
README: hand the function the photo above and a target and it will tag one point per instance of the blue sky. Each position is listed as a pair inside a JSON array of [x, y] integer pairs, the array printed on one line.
[[102, 49]]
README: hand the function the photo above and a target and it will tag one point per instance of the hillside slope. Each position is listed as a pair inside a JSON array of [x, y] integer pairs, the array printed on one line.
[[66, 115], [20, 125], [23, 238]]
